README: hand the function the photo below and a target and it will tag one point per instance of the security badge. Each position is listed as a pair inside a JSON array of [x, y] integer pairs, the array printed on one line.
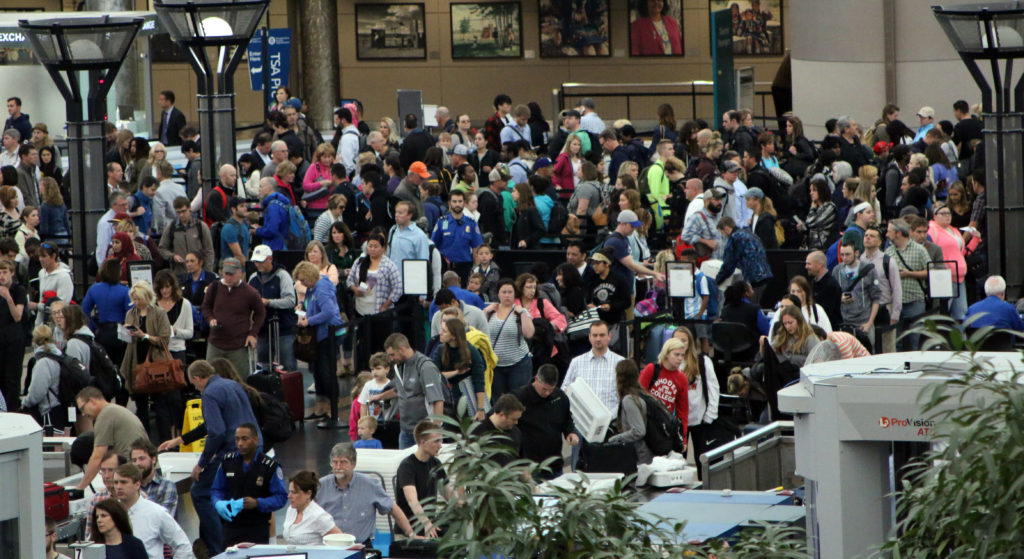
[[467, 229], [259, 481]]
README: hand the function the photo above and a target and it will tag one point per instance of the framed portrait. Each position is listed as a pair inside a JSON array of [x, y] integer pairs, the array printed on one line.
[[655, 28], [570, 28], [486, 30], [756, 26], [390, 31]]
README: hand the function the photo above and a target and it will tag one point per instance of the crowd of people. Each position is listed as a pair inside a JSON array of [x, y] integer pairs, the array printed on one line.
[[300, 252]]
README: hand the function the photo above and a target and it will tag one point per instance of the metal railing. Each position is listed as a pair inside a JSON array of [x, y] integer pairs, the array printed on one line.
[[762, 460], [690, 90]]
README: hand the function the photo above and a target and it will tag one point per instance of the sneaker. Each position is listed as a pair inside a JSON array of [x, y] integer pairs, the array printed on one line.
[[311, 389]]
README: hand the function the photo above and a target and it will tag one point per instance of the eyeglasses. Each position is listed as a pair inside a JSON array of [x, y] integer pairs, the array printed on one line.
[[943, 212]]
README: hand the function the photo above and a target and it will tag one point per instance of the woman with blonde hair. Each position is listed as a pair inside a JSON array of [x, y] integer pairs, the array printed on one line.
[[794, 341], [567, 166], [867, 190], [667, 378], [704, 392], [762, 223], [386, 127], [323, 314], [53, 214], [41, 401], [959, 205], [150, 332], [317, 182], [707, 165], [28, 230]]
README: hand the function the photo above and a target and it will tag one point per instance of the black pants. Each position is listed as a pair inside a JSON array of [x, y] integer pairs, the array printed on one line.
[[373, 329], [12, 354], [168, 408], [463, 269], [324, 371], [106, 336], [409, 319]]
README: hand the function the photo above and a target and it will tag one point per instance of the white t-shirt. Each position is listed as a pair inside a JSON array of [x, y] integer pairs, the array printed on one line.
[[371, 388], [311, 531]]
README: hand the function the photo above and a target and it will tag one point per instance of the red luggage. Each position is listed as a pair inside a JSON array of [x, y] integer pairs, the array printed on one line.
[[57, 501], [291, 381]]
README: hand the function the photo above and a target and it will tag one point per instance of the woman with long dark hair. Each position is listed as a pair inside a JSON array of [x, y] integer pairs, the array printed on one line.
[[49, 164], [341, 249], [111, 527], [666, 128], [510, 329], [800, 153], [820, 223], [632, 424], [459, 361], [570, 287], [540, 130], [111, 300], [529, 225], [377, 285]]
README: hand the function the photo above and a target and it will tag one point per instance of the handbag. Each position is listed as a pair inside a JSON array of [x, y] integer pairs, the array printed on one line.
[[157, 377], [599, 218], [305, 344], [579, 328]]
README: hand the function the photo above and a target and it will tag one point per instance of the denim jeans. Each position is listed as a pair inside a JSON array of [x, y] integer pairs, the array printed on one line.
[[287, 351], [511, 377], [405, 440], [910, 313], [210, 530], [958, 304]]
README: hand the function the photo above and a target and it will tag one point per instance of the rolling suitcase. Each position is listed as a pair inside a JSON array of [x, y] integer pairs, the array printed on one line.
[[291, 381]]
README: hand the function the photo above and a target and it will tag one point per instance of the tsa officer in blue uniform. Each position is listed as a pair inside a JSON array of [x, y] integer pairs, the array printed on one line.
[[456, 235]]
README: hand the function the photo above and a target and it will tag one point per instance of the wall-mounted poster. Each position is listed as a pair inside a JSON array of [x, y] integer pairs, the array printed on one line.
[[574, 28], [486, 30], [756, 25], [390, 31], [655, 28]]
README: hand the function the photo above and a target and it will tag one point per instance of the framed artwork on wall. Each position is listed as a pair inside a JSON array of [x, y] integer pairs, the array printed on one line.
[[655, 28], [756, 26], [486, 30], [571, 28], [390, 31]]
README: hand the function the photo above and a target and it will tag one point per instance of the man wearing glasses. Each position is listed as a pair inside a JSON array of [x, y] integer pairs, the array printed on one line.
[[111, 460], [185, 235], [354, 499], [51, 540]]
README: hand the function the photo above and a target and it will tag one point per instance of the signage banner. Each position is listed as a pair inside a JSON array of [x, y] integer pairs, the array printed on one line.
[[279, 48]]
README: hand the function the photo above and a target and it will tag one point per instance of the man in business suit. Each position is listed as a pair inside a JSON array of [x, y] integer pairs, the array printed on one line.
[[172, 120]]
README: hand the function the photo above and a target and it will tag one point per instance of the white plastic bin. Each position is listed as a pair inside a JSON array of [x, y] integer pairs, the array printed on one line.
[[589, 413]]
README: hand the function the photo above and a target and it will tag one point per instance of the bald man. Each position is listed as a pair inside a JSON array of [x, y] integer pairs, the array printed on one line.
[[827, 292], [217, 210], [694, 190]]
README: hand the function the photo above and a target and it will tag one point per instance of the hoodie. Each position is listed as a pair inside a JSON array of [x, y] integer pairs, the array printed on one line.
[[58, 281], [864, 293], [45, 382]]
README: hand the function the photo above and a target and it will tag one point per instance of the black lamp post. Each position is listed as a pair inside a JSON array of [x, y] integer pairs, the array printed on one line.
[[994, 33], [70, 47], [226, 26]]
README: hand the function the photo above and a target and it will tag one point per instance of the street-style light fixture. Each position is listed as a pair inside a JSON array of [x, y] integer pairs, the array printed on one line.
[[67, 48], [227, 26], [994, 33]]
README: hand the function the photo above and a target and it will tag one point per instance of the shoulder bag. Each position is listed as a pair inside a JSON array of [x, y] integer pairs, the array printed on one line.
[[157, 377]]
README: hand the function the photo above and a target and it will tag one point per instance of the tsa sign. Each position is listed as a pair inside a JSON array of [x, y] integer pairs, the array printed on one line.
[[279, 54]]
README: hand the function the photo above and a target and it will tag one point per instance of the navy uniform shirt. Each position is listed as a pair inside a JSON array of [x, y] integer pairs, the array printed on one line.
[[456, 238]]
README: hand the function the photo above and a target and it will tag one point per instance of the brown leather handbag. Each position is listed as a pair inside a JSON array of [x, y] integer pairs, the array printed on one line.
[[157, 377]]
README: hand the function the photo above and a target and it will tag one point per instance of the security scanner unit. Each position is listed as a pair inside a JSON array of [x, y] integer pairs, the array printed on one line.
[[290, 552], [21, 487], [853, 421], [722, 514]]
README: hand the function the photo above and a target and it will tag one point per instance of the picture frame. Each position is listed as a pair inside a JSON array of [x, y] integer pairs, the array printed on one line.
[[391, 31], [565, 36], [656, 36], [756, 30], [486, 30]]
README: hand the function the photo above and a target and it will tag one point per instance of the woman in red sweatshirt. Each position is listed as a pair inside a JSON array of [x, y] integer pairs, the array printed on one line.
[[666, 380]]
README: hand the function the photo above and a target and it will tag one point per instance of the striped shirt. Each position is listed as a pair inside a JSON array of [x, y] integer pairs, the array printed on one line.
[[599, 374], [507, 339]]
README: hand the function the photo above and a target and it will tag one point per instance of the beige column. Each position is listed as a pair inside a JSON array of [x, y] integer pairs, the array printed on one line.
[[318, 43]]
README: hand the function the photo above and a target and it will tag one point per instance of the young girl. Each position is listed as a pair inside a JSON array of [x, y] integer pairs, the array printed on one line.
[[483, 265], [358, 410]]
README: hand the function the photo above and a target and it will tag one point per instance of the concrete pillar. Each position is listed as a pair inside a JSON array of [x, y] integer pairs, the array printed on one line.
[[318, 44], [849, 57]]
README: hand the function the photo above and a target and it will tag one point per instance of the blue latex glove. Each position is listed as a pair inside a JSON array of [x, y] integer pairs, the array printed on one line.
[[236, 506], [222, 510]]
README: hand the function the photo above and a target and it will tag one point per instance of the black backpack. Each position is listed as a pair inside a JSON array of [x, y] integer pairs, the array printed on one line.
[[73, 378], [105, 374], [275, 420], [664, 430], [267, 382], [558, 219]]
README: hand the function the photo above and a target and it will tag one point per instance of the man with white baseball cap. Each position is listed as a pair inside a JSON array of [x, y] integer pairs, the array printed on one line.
[[927, 118], [277, 293]]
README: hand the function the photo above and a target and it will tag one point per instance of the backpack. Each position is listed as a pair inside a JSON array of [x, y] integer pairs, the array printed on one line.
[[558, 219], [298, 234], [524, 167], [215, 231], [641, 180], [275, 419], [105, 374], [73, 378], [664, 430]]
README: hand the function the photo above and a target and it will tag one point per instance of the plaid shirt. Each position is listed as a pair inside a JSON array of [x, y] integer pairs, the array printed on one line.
[[492, 131], [917, 259], [978, 210], [599, 374], [162, 492], [703, 226], [389, 280]]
